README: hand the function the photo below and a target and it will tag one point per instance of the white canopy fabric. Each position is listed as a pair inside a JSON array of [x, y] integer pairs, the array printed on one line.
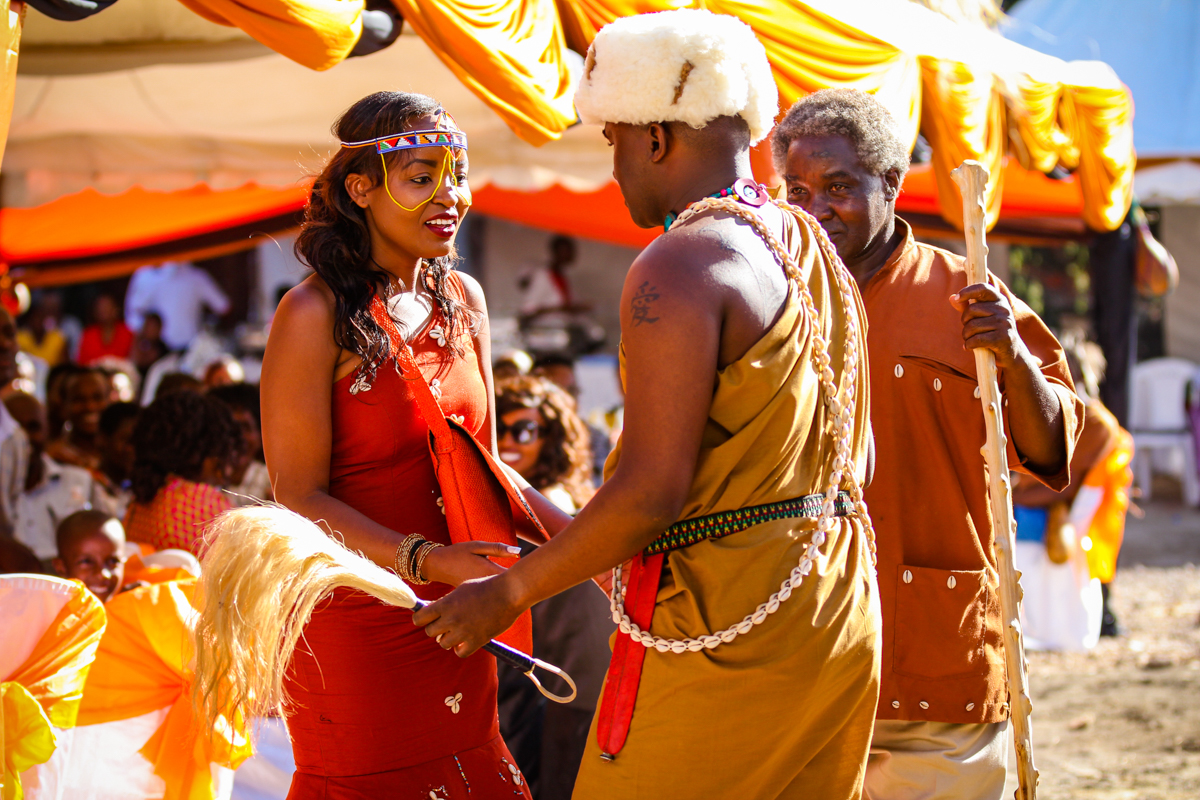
[[259, 118], [148, 94]]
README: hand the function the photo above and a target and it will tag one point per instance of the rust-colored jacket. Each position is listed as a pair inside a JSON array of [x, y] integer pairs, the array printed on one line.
[[943, 654]]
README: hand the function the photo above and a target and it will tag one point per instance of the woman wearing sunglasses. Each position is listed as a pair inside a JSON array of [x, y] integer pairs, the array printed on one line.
[[541, 437]]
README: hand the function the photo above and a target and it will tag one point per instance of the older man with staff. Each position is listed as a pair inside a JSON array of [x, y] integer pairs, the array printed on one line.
[[942, 723]]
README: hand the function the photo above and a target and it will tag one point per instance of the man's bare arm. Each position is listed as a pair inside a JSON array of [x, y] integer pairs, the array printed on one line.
[[671, 320]]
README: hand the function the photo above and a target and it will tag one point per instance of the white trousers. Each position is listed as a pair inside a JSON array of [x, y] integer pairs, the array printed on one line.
[[936, 761], [1063, 605]]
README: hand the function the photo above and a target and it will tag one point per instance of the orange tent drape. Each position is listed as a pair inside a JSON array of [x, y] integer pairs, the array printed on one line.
[[89, 223], [315, 33], [510, 54]]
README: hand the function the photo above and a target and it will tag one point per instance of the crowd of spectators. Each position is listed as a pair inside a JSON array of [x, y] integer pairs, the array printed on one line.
[[115, 418], [118, 445]]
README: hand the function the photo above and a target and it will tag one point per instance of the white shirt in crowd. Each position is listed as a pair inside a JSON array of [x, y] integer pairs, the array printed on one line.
[[179, 292], [14, 466], [63, 491], [541, 292]]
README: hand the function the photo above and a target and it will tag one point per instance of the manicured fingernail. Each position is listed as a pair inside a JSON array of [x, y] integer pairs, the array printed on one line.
[[516, 551]]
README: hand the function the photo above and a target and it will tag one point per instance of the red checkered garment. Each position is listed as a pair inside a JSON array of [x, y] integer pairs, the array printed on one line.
[[177, 515]]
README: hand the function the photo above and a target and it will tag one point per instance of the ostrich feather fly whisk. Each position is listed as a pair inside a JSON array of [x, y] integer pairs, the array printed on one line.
[[264, 572]]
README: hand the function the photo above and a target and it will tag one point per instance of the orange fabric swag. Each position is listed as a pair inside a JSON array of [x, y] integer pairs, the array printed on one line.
[[144, 664]]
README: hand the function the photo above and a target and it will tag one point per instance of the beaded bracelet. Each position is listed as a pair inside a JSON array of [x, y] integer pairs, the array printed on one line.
[[422, 552], [403, 561]]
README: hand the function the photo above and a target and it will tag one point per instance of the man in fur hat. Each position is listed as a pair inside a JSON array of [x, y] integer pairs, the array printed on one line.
[[747, 661]]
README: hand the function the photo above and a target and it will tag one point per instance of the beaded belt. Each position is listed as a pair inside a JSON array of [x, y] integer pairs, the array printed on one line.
[[723, 523]]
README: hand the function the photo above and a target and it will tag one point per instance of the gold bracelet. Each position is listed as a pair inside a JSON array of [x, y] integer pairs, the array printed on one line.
[[423, 552], [404, 554]]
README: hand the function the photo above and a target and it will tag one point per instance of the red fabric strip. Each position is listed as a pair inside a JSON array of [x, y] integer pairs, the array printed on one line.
[[625, 669]]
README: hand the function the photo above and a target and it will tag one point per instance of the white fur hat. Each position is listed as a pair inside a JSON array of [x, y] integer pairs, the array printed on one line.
[[678, 66]]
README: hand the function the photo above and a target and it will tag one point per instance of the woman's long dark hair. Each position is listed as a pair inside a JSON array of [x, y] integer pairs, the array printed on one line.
[[334, 239]]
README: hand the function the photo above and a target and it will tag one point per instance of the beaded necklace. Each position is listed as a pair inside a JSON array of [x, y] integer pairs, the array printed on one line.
[[840, 402], [744, 189]]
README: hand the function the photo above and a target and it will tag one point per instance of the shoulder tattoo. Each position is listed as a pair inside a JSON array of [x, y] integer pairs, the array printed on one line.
[[643, 303]]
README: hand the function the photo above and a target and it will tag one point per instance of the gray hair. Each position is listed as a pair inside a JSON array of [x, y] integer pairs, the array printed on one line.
[[851, 113]]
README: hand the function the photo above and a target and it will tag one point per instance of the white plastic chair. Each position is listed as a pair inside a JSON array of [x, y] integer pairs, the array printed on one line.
[[1159, 423]]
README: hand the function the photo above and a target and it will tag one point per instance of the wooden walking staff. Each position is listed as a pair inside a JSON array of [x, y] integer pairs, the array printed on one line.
[[972, 178]]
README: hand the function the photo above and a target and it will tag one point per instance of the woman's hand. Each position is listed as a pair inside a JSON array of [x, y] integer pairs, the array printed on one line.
[[470, 616], [458, 563]]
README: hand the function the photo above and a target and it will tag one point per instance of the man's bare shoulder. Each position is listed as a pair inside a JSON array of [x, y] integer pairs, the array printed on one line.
[[694, 254]]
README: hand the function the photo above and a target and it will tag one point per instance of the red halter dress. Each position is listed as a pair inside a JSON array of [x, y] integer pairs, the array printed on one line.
[[376, 708]]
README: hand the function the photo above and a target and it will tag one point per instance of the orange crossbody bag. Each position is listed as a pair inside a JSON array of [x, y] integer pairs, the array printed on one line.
[[481, 503]]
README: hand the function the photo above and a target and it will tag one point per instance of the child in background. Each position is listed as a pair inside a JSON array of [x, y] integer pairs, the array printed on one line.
[[91, 548], [136, 736]]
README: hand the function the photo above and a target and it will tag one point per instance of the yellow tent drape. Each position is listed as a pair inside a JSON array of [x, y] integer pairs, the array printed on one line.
[[1104, 130], [510, 54], [53, 679], [1083, 128], [144, 664], [581, 19], [10, 42], [959, 108], [315, 33], [962, 116], [810, 51], [1037, 135]]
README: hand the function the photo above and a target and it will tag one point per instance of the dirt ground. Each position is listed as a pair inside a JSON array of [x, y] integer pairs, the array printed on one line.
[[1124, 720]]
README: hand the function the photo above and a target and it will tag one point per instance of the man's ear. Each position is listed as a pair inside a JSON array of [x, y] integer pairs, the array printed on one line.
[[658, 138], [357, 186], [891, 184]]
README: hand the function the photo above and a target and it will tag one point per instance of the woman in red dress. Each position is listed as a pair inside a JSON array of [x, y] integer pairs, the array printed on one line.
[[376, 708]]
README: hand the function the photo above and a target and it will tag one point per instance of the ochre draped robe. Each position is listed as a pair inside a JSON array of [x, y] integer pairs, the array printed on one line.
[[785, 711]]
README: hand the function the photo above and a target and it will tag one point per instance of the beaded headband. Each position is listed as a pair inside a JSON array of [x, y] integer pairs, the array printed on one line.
[[447, 134], [434, 137]]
